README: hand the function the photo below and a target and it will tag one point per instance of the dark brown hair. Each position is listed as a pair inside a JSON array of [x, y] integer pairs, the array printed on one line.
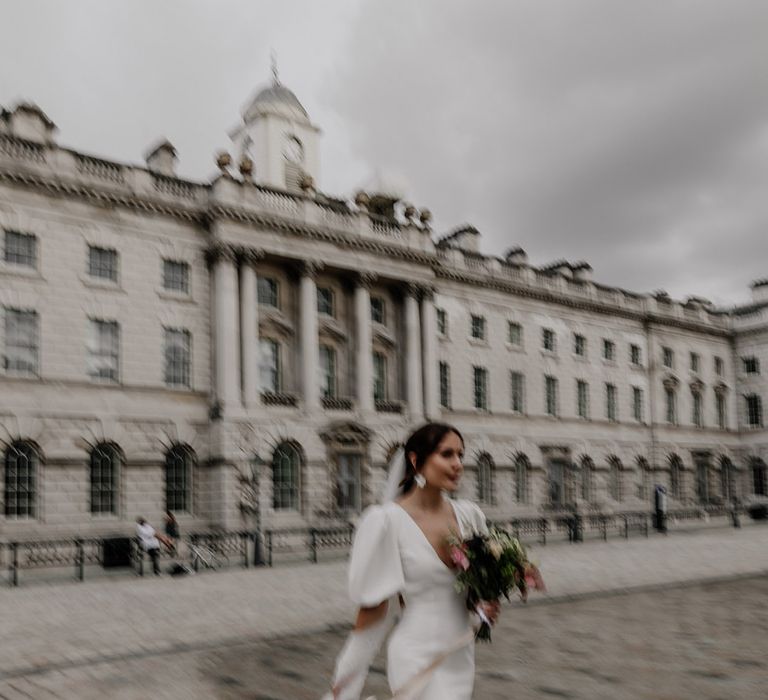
[[423, 442]]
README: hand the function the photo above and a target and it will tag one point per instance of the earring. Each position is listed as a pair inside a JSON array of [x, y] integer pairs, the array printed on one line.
[[421, 482]]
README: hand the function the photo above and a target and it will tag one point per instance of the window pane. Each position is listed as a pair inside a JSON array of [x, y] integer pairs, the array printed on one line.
[[379, 377], [20, 487], [177, 357], [102, 263], [269, 365], [267, 291], [178, 479], [517, 389], [105, 460], [176, 276], [20, 249], [445, 385], [21, 341], [285, 478], [515, 333], [377, 310], [325, 301], [103, 350], [327, 372]]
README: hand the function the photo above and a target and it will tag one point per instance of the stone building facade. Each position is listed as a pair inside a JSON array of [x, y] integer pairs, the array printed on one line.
[[251, 350]]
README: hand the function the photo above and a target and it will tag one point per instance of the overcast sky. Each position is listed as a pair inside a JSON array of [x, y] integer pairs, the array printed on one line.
[[630, 134]]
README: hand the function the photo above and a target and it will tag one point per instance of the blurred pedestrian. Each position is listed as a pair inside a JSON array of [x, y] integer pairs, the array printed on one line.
[[150, 542], [172, 531]]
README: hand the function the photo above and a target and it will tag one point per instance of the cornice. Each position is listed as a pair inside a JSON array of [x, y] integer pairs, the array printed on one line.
[[101, 196], [500, 285]]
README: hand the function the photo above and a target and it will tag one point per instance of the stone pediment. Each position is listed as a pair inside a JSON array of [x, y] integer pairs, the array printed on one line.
[[330, 327], [697, 385], [277, 321], [346, 433], [670, 381], [383, 336], [721, 387]]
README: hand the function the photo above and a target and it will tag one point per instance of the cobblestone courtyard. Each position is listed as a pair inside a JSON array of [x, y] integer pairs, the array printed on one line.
[[705, 641], [621, 620]]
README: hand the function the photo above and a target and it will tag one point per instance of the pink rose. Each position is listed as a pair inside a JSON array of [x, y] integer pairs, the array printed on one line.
[[459, 558]]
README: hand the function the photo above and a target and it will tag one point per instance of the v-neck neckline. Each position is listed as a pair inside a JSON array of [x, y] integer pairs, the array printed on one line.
[[424, 535]]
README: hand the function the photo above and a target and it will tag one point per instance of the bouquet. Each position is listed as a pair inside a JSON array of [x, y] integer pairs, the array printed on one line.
[[490, 566]]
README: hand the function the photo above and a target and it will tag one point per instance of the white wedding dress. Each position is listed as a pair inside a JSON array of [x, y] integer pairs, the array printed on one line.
[[391, 555]]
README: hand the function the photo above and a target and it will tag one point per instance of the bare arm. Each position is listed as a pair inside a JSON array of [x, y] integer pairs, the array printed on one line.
[[366, 617]]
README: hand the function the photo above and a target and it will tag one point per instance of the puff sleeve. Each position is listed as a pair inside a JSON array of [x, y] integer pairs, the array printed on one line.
[[375, 569], [473, 520]]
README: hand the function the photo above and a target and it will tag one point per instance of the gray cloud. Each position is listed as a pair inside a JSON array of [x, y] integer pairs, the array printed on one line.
[[630, 134]]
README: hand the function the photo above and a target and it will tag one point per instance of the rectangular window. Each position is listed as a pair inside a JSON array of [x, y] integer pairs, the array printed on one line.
[[550, 396], [103, 350], [21, 342], [178, 343], [267, 289], [668, 357], [637, 404], [442, 321], [720, 408], [696, 418], [754, 411], [269, 366], [327, 372], [480, 383], [379, 377], [582, 399], [477, 329], [671, 405], [349, 492], [694, 362], [20, 249], [445, 385], [751, 365], [176, 276], [548, 339], [517, 390], [609, 350], [102, 263], [579, 345], [377, 310], [719, 366], [610, 402], [514, 333], [325, 301], [634, 355]]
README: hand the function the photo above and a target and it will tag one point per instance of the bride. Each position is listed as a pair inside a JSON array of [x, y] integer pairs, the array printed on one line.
[[400, 567]]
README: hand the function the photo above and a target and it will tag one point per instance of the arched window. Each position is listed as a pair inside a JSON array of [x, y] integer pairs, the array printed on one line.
[[675, 477], [106, 459], [726, 479], [286, 469], [20, 492], [587, 467], [178, 478], [614, 478], [485, 479], [521, 479], [759, 485], [644, 481]]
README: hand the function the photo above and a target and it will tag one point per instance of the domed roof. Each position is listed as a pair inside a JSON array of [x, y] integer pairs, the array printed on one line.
[[276, 99]]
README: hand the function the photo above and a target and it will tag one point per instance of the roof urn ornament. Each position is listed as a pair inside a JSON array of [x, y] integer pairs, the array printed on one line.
[[246, 167], [425, 217], [307, 183], [223, 161], [409, 212], [362, 199]]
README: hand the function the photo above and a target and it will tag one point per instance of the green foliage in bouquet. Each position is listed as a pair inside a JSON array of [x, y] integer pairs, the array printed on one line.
[[491, 566]]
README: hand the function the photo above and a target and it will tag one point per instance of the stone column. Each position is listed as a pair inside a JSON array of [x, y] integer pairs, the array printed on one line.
[[429, 350], [310, 348], [249, 328], [413, 376], [364, 358], [226, 332]]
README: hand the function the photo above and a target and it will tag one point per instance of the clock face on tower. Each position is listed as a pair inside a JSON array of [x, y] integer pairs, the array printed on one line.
[[293, 150]]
